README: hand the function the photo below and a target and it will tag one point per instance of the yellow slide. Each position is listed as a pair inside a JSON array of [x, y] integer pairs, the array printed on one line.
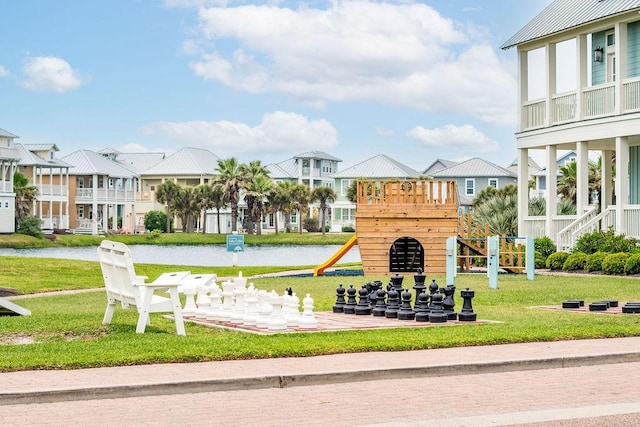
[[319, 270]]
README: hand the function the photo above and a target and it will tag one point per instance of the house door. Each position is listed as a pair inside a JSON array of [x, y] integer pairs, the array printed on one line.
[[406, 255], [611, 57]]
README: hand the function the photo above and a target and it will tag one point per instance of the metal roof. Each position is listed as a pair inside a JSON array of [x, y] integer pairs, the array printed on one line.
[[562, 15], [474, 168], [41, 147], [6, 134], [438, 165], [286, 169], [29, 158], [139, 162], [86, 162], [186, 161], [320, 155], [379, 166]]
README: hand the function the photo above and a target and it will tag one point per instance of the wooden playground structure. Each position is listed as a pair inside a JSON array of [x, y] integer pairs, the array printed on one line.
[[404, 225]]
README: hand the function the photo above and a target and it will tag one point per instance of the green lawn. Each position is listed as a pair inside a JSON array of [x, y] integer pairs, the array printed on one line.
[[67, 333]]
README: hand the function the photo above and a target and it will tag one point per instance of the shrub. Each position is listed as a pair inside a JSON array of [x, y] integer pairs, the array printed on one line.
[[556, 260], [30, 225], [575, 262], [632, 266], [614, 263], [311, 225], [545, 246], [348, 229], [604, 241], [155, 220], [594, 261], [154, 234], [540, 260]]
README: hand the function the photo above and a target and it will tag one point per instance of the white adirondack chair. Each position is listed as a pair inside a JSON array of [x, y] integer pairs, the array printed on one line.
[[124, 286]]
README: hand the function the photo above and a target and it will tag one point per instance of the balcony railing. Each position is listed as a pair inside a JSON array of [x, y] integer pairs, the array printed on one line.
[[6, 187], [105, 195], [52, 190], [564, 107], [9, 153], [534, 114], [60, 222], [599, 101]]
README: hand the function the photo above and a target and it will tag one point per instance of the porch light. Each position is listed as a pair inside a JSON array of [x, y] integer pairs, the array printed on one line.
[[598, 53]]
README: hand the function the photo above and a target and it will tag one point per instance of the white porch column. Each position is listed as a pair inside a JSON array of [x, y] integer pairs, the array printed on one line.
[[621, 64], [552, 190], [582, 67], [582, 177], [523, 188], [94, 205], [523, 82], [550, 72], [622, 182], [606, 179]]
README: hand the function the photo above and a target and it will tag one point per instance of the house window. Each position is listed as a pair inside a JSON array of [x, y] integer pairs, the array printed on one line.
[[470, 186], [80, 211], [493, 182], [80, 182], [294, 218], [344, 186]]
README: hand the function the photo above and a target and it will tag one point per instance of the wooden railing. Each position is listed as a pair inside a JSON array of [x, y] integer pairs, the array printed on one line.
[[418, 192]]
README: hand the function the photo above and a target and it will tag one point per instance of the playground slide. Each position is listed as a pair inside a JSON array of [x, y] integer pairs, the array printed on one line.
[[319, 270]]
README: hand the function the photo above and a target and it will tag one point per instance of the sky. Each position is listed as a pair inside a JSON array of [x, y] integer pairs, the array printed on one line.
[[416, 81]]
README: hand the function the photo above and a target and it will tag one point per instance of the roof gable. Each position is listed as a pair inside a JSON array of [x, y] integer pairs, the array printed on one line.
[[86, 162], [562, 15], [379, 166], [474, 168], [186, 161], [5, 134], [438, 165], [320, 155], [285, 169]]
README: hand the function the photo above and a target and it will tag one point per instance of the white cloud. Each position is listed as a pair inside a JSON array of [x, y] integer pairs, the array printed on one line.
[[51, 74], [278, 132], [3, 71], [460, 138], [403, 54]]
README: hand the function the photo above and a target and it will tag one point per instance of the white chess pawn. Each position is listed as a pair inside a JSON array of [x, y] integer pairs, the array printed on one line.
[[308, 320], [216, 304], [240, 281], [239, 309], [292, 312], [276, 321], [190, 307]]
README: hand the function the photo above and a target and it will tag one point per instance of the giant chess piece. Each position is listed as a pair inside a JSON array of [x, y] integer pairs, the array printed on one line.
[[406, 312], [251, 314], [276, 321], [227, 301], [363, 307], [393, 304], [433, 287], [338, 307], [239, 308], [381, 307], [264, 309], [419, 279], [467, 314], [422, 307], [448, 302], [373, 292], [202, 301], [307, 319], [396, 283], [350, 306], [436, 312], [292, 313], [216, 304], [190, 306]]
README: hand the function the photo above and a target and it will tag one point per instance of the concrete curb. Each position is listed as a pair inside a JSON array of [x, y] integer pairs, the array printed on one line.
[[301, 379]]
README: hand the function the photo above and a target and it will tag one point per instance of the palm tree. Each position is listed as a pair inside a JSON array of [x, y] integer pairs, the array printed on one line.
[[231, 177], [25, 195], [500, 213], [187, 205], [204, 193], [254, 213], [257, 191], [217, 201], [277, 200], [323, 195], [166, 193], [301, 196]]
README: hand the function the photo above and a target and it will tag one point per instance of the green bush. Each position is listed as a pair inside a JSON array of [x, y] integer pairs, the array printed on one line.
[[540, 260], [348, 229], [604, 241], [545, 246], [556, 260], [632, 266], [154, 234], [311, 225], [594, 261], [614, 263], [156, 220], [30, 225], [575, 261]]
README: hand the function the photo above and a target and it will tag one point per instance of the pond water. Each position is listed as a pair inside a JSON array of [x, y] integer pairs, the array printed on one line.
[[202, 255]]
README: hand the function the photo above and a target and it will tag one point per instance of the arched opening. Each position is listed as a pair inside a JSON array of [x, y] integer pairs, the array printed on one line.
[[406, 255]]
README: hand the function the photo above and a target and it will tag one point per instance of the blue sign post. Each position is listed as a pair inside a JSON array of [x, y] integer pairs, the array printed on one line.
[[235, 245]]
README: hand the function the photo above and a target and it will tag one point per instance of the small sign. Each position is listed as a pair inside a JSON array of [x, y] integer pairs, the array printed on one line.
[[235, 243]]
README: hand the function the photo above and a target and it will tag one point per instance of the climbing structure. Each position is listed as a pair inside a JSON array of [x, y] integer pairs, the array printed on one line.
[[403, 225]]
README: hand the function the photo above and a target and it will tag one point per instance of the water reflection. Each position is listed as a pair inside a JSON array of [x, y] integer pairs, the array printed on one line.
[[202, 255]]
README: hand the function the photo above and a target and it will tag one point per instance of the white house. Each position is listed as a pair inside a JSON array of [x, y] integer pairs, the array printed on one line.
[[9, 156], [601, 113]]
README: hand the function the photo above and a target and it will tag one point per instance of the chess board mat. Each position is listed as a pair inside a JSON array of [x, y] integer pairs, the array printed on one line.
[[585, 309], [329, 321]]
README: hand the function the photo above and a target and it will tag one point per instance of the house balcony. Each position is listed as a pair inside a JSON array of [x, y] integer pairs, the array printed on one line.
[[102, 195], [6, 187], [9, 153], [53, 193], [595, 102], [56, 222]]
